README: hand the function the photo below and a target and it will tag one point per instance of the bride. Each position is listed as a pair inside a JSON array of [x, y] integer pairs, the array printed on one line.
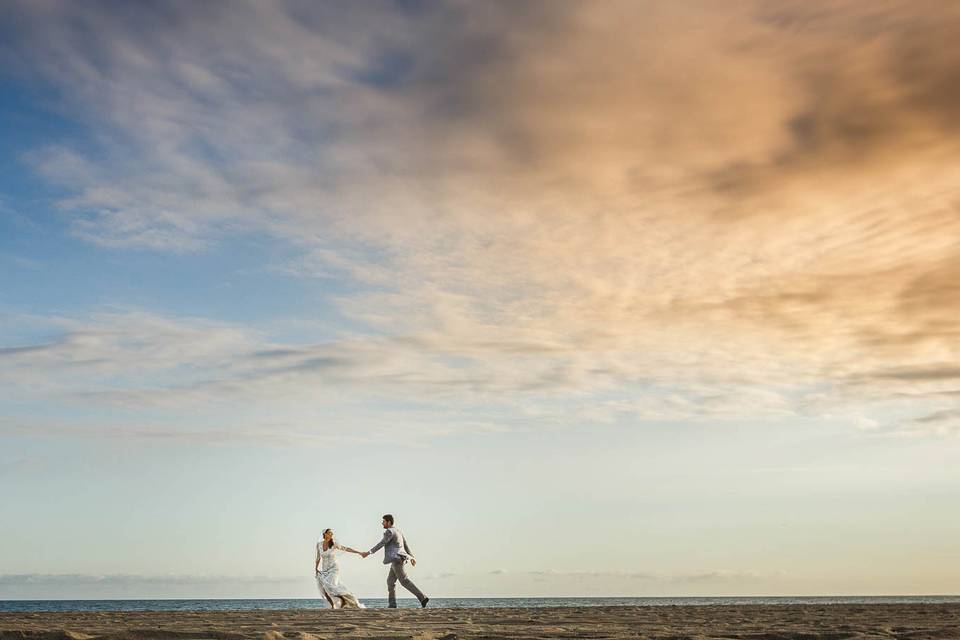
[[328, 574]]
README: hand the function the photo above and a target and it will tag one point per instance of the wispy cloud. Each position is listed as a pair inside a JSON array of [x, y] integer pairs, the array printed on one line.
[[746, 210], [77, 579], [21, 464], [944, 423], [93, 586], [718, 576]]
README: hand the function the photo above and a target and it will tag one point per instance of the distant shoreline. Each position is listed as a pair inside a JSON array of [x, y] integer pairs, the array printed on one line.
[[25, 605]]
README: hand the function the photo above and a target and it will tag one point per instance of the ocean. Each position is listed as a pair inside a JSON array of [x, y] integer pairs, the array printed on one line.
[[459, 603]]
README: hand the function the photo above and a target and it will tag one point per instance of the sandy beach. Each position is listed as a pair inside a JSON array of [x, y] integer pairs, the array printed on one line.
[[761, 622]]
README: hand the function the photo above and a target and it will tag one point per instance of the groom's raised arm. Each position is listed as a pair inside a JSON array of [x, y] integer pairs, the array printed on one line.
[[387, 536]]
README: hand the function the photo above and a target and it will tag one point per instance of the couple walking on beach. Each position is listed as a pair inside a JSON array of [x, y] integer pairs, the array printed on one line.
[[396, 553]]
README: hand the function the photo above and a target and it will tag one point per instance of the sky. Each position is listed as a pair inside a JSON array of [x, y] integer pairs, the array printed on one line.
[[599, 299]]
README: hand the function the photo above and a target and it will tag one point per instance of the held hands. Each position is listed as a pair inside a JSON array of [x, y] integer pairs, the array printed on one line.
[[364, 554]]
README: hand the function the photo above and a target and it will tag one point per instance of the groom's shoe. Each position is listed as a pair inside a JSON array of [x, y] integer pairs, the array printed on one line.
[[423, 603]]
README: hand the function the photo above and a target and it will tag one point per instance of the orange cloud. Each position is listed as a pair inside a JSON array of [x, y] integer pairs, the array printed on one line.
[[568, 196]]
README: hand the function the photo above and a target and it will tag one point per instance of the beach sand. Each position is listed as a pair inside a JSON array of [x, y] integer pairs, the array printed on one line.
[[744, 622]]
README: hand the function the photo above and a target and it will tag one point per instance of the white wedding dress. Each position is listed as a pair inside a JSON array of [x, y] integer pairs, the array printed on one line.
[[328, 580]]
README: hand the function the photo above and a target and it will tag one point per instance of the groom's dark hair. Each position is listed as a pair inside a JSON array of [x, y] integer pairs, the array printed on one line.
[[388, 518]]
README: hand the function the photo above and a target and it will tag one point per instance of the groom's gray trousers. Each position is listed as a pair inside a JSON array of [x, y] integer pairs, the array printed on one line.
[[397, 572]]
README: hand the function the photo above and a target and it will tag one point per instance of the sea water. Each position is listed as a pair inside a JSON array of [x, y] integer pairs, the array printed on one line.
[[459, 603]]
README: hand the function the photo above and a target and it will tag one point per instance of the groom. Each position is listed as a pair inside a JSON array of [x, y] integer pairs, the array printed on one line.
[[396, 551]]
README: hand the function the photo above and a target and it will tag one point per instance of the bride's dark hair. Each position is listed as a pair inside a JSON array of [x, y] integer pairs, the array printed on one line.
[[332, 543]]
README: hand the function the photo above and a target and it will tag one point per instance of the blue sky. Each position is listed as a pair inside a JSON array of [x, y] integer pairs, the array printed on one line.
[[515, 273]]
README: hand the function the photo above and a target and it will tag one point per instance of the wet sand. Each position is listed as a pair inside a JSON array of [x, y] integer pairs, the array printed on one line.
[[744, 622]]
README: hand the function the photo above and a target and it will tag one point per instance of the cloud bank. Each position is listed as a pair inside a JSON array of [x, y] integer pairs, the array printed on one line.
[[667, 212]]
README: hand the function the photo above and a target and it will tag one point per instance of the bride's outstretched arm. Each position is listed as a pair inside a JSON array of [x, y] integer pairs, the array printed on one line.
[[347, 549]]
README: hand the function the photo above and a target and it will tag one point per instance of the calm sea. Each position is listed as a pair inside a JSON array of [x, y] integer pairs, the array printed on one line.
[[376, 603]]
